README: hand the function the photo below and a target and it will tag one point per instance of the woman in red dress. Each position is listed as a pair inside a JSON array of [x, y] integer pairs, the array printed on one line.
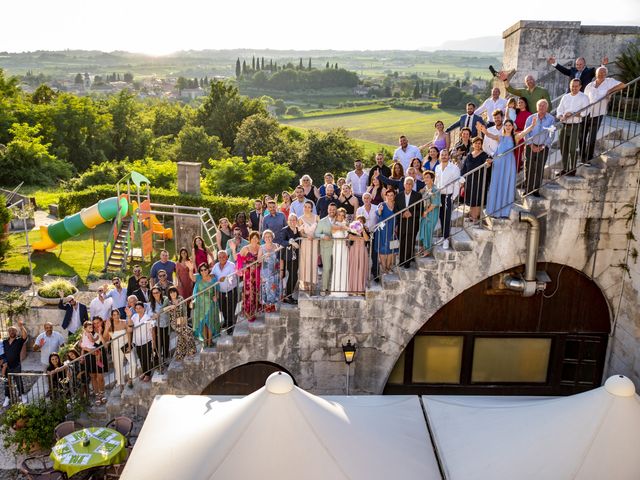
[[521, 118], [184, 265], [200, 253]]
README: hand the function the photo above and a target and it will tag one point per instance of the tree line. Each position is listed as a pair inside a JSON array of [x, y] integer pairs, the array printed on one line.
[[49, 137]]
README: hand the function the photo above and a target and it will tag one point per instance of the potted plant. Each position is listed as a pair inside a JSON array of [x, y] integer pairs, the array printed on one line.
[[29, 427], [49, 292]]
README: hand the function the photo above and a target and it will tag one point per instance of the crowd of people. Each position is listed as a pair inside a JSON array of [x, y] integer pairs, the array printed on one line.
[[329, 239]]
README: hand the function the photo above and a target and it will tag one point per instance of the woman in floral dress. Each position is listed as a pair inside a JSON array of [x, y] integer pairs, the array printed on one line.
[[186, 343], [248, 266], [270, 274]]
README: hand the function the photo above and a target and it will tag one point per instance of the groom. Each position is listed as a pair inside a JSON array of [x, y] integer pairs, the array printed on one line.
[[323, 232]]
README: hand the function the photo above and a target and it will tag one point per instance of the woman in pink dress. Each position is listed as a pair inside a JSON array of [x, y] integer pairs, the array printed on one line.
[[184, 265], [358, 257], [249, 260]]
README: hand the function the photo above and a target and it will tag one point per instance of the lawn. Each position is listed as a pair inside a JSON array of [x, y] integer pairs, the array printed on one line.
[[73, 257], [384, 126], [43, 196]]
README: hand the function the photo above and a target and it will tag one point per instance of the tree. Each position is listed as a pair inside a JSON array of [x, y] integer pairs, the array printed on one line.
[[244, 67], [194, 145], [258, 135], [294, 111], [262, 62], [333, 151], [168, 119], [238, 69], [78, 79], [253, 63], [271, 65], [43, 95], [127, 137], [27, 159], [258, 175], [280, 106], [128, 77], [416, 90], [327, 66], [224, 109], [300, 66], [309, 67]]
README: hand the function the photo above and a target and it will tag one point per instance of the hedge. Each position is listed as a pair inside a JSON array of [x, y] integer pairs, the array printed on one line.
[[219, 206]]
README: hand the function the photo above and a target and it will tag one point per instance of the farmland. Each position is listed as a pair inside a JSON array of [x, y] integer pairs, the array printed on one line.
[[381, 126]]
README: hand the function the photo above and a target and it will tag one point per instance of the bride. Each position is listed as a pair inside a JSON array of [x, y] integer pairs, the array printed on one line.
[[339, 285]]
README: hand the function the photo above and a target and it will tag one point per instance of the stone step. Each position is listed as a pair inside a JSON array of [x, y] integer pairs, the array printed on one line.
[[442, 255], [258, 326], [462, 242], [427, 263], [390, 281]]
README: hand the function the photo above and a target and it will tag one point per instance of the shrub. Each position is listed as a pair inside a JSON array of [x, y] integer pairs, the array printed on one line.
[[294, 111], [39, 420], [52, 289], [220, 206]]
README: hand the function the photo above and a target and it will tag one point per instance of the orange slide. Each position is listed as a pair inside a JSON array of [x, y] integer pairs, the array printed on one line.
[[158, 228]]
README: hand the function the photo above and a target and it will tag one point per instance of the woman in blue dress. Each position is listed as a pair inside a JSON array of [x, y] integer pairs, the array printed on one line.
[[386, 232], [206, 323], [502, 189], [431, 212], [270, 276]]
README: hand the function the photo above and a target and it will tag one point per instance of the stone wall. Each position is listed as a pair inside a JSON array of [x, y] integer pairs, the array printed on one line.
[[528, 44]]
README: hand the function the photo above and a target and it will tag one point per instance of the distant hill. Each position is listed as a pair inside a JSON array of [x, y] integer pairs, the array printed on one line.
[[480, 44]]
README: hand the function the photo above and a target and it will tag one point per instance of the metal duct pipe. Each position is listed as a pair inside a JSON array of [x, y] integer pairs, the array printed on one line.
[[533, 241]]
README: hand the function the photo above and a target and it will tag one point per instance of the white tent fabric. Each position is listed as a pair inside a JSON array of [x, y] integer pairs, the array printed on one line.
[[593, 435], [283, 433]]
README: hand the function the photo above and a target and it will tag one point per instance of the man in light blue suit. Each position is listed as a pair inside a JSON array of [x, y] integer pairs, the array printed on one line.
[[323, 232]]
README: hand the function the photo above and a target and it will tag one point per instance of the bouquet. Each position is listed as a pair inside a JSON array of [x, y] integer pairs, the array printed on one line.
[[356, 228]]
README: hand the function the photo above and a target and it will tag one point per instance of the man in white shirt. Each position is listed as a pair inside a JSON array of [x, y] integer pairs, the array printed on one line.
[[570, 112], [491, 105], [297, 206], [118, 296], [358, 179], [100, 306], [141, 329], [405, 153], [48, 342], [447, 176], [599, 89], [224, 271], [368, 211], [489, 145]]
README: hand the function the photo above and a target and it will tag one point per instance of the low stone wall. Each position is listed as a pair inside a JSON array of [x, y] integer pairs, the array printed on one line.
[[15, 280]]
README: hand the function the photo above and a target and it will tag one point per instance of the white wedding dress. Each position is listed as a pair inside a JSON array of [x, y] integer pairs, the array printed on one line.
[[339, 274]]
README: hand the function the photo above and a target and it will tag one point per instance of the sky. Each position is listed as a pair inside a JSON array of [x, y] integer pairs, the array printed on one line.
[[164, 26]]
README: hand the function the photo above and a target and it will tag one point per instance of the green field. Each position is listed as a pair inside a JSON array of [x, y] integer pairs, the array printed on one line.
[[383, 126]]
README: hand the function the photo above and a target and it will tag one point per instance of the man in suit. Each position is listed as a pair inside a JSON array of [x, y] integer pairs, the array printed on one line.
[[468, 120], [75, 313], [409, 221], [323, 232], [580, 71], [143, 294]]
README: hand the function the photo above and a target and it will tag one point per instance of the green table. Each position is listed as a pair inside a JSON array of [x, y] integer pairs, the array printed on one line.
[[106, 447]]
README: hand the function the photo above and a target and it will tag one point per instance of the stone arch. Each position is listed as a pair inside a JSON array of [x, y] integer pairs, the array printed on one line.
[[574, 309], [243, 379]]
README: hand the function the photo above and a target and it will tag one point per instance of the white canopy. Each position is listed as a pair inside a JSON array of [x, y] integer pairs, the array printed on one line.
[[593, 435], [282, 432]]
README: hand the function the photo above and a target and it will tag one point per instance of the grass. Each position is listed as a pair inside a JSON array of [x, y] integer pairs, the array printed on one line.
[[73, 257], [383, 126], [338, 111], [44, 196]]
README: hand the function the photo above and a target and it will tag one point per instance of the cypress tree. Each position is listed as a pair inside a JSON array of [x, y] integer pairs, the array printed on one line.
[[253, 63], [238, 71], [309, 64]]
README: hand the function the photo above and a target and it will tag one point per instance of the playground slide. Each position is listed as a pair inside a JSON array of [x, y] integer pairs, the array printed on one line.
[[86, 219], [158, 228]]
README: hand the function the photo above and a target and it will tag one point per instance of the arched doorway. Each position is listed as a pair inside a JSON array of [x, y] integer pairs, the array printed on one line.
[[244, 379], [491, 341]]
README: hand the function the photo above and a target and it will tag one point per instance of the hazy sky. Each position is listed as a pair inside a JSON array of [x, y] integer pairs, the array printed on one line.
[[164, 26]]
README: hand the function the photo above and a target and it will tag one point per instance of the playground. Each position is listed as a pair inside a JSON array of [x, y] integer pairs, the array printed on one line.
[[108, 236]]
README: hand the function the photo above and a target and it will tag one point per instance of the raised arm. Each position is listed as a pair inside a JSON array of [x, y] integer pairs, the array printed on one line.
[[520, 135], [482, 128]]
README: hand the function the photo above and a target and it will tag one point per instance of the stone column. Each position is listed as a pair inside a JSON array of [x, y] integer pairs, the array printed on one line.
[[189, 183], [528, 44], [189, 177]]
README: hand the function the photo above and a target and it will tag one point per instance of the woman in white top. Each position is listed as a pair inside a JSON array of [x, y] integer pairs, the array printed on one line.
[[447, 182], [339, 274]]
